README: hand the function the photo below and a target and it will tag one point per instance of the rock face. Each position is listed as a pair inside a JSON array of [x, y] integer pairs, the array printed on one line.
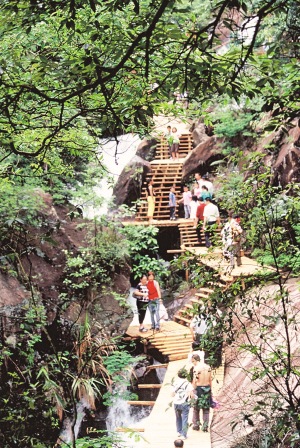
[[199, 133], [200, 158], [128, 188], [146, 149], [46, 262], [287, 163], [240, 394]]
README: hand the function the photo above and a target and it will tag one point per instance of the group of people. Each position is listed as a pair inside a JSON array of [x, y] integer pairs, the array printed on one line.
[[148, 295], [198, 206], [173, 140], [192, 388]]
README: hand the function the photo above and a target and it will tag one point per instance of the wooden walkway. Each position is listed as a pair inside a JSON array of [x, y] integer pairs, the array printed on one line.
[[173, 340], [214, 259], [160, 426]]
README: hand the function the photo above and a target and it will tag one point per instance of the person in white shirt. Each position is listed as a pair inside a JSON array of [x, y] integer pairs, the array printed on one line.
[[198, 327], [195, 350], [183, 392], [199, 180], [231, 239], [211, 217], [186, 200], [175, 144], [208, 185]]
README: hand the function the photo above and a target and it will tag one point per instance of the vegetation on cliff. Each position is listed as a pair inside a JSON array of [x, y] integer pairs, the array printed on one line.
[[72, 72]]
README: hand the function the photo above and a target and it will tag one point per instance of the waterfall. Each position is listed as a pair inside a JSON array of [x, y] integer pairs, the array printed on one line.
[[66, 434], [115, 156], [161, 372]]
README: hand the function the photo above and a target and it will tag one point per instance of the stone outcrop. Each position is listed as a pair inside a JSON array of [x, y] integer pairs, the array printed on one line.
[[201, 156], [287, 164], [128, 188], [199, 133], [240, 394], [146, 149], [46, 263]]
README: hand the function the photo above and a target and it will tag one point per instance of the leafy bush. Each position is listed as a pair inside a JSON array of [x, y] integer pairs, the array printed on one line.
[[143, 247]]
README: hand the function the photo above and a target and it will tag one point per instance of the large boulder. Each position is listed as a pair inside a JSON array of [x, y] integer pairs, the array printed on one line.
[[128, 187], [240, 394], [201, 156], [146, 149], [199, 133]]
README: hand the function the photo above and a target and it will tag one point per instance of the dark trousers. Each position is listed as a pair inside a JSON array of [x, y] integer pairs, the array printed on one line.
[[210, 227], [142, 308], [203, 402], [172, 212], [198, 231]]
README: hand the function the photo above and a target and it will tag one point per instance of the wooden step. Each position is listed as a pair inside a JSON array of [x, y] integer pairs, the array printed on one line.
[[199, 301], [149, 386], [141, 403], [178, 317], [177, 357], [200, 294], [208, 290], [168, 343], [160, 335]]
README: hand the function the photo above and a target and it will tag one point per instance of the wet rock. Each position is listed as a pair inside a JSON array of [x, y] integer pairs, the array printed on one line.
[[128, 187]]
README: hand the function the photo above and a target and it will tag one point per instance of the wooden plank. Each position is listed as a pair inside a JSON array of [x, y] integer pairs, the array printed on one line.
[[149, 386], [156, 366], [141, 403], [173, 343], [129, 430]]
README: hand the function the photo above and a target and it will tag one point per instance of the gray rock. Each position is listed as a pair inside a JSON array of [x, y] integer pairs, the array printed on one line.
[[128, 187]]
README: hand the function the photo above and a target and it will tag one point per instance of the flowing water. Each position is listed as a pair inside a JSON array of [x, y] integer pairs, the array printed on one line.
[[116, 155]]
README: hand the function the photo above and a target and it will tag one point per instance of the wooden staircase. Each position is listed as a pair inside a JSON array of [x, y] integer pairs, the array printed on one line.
[[164, 175], [188, 235], [173, 347], [185, 146], [189, 238], [187, 312]]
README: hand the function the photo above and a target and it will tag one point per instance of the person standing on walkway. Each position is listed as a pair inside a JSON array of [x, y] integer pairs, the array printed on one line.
[[186, 200], [202, 385], [175, 144], [198, 327], [169, 139], [142, 299], [172, 203], [196, 190], [154, 300], [183, 392], [211, 217], [200, 219], [194, 206], [150, 194], [199, 180], [205, 193], [231, 239], [208, 184]]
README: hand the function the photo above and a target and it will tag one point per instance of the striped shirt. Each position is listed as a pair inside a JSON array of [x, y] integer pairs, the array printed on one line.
[[143, 289]]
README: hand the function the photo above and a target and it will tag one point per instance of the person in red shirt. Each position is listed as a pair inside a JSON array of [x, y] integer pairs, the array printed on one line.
[[154, 300], [200, 219]]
